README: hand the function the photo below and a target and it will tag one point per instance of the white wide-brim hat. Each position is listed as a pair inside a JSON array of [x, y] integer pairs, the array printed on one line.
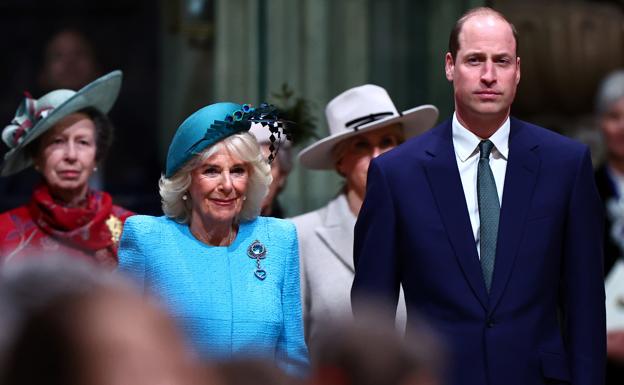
[[36, 116], [360, 110]]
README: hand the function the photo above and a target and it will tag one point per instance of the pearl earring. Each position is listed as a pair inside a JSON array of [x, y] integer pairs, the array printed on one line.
[[184, 197], [95, 169]]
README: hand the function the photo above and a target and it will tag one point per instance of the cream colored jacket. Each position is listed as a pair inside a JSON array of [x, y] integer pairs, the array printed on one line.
[[326, 257]]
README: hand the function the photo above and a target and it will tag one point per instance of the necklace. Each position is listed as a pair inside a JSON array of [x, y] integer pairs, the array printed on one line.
[[205, 239]]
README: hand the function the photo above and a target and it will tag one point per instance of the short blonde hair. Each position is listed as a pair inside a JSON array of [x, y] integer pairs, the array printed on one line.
[[245, 147]]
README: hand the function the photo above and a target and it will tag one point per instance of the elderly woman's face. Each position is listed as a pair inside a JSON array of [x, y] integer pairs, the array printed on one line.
[[218, 187], [66, 155], [358, 152], [612, 126]]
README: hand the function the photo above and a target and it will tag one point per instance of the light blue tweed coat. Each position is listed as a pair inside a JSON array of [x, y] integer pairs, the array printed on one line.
[[224, 309]]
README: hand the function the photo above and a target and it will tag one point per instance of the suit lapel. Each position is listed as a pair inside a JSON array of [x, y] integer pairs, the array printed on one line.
[[336, 231], [443, 176], [520, 178]]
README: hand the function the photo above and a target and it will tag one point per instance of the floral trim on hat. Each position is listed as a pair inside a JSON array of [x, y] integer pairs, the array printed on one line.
[[28, 114]]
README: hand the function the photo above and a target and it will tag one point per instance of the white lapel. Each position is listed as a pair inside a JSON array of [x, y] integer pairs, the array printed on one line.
[[337, 230]]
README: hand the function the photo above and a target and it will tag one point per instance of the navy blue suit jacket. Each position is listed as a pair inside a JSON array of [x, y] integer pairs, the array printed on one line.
[[544, 318]]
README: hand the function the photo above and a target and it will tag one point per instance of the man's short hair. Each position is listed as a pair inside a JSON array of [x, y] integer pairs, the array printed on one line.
[[454, 38]]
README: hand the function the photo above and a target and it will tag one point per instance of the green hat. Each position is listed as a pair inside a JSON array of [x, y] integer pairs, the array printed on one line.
[[36, 116], [212, 124]]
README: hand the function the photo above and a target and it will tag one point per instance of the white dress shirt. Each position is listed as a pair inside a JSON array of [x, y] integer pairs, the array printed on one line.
[[466, 146]]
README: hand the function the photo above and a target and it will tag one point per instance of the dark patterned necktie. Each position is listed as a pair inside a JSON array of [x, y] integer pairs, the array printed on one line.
[[489, 211]]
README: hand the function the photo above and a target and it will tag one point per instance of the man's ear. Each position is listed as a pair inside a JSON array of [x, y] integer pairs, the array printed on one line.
[[449, 66], [518, 70]]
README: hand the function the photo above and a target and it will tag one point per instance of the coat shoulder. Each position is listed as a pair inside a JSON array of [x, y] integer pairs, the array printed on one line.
[[146, 238], [306, 223], [146, 221], [284, 228], [146, 227], [548, 139], [415, 149]]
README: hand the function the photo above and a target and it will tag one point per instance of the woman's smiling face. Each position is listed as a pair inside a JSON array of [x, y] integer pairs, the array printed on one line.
[[218, 187]]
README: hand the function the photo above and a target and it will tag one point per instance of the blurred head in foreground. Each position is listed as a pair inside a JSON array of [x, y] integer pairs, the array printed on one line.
[[251, 372], [371, 351], [71, 325]]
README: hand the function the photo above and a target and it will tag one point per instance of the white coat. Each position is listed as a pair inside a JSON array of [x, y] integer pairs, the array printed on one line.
[[327, 271]]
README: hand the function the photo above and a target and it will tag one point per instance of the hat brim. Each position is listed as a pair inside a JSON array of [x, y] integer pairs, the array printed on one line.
[[100, 94], [415, 121]]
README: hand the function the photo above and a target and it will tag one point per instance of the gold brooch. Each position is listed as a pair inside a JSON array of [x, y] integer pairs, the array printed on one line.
[[114, 225]]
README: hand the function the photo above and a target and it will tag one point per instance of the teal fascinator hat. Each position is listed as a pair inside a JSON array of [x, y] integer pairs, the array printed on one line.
[[211, 124]]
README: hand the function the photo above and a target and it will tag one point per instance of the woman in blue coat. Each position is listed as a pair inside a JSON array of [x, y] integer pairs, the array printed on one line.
[[229, 276]]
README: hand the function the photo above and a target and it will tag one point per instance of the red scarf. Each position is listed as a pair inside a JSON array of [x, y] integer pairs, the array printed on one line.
[[82, 227]]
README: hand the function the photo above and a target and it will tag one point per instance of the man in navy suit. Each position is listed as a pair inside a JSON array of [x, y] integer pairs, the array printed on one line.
[[493, 226]]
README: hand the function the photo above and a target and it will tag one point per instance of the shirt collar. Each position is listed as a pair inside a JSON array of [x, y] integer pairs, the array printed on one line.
[[467, 144]]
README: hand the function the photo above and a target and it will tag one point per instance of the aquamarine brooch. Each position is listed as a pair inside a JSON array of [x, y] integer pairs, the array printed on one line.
[[258, 251]]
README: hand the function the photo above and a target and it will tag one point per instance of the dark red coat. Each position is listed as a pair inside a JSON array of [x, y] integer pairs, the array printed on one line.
[[44, 227]]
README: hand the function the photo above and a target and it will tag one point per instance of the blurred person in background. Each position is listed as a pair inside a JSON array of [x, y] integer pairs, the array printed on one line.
[[229, 276], [363, 123], [72, 324], [64, 134], [610, 182], [69, 61]]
